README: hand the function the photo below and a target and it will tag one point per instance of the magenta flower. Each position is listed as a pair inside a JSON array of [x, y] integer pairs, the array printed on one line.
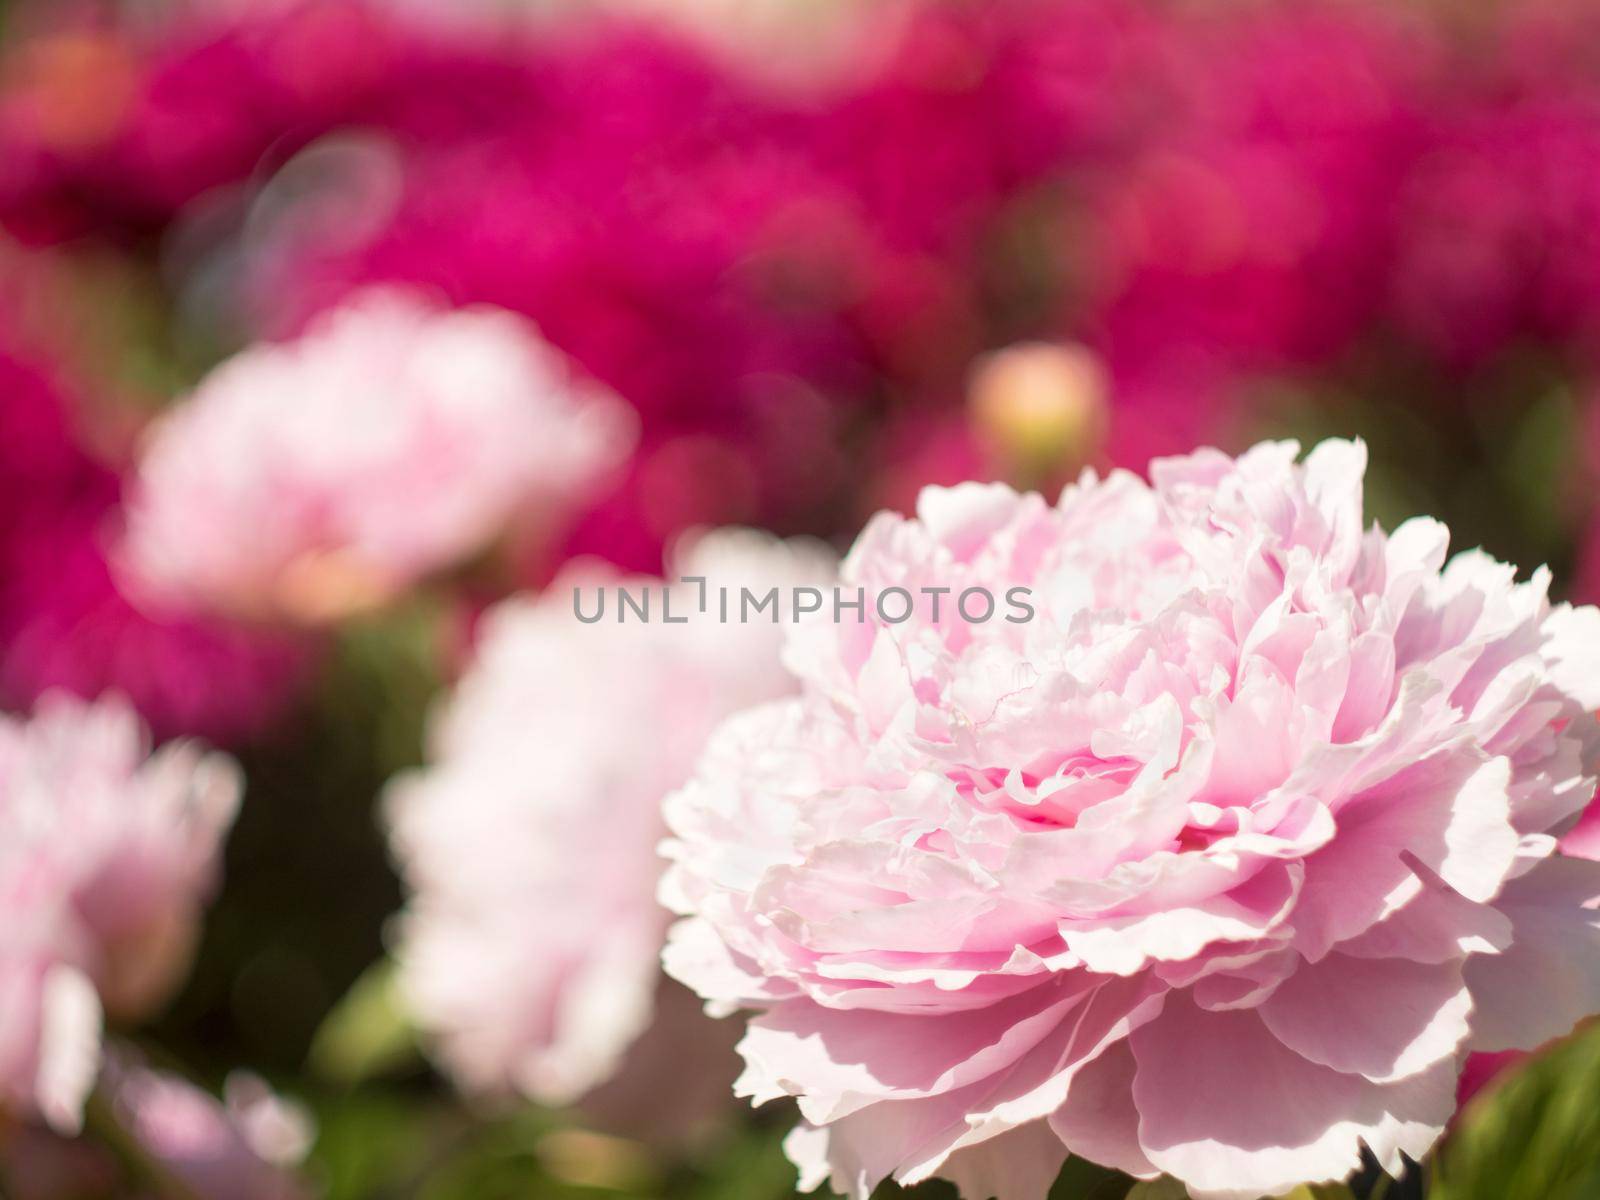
[[114, 129], [64, 624], [109, 854], [1496, 232], [642, 208], [68, 626], [530, 948], [309, 480], [1216, 867]]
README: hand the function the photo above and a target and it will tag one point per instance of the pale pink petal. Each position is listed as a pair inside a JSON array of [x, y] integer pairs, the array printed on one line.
[[1383, 1018], [1437, 925], [1123, 945], [1099, 1120], [1019, 1165], [805, 1050], [1572, 650], [1548, 979], [1235, 1114], [69, 1048], [1450, 812]]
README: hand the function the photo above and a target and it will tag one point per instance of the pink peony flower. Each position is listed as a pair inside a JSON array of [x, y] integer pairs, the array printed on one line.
[[530, 949], [108, 853], [1217, 867], [315, 478]]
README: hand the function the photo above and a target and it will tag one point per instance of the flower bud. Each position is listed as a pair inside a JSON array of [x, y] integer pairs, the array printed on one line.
[[1040, 408]]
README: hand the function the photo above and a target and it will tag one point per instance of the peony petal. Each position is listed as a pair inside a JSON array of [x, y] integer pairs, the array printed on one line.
[[1019, 1165], [726, 980], [912, 1139], [1572, 651], [1437, 925], [69, 1047], [1235, 1114], [1124, 945], [1549, 977], [1383, 1018], [1099, 1121], [806, 1147], [1450, 812], [840, 1060]]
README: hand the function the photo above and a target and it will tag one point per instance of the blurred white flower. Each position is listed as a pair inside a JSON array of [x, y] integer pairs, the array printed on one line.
[[530, 948]]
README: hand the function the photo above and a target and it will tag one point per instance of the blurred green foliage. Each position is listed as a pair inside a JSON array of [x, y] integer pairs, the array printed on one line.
[[384, 1141], [1533, 1136], [367, 1034], [309, 887], [1503, 467]]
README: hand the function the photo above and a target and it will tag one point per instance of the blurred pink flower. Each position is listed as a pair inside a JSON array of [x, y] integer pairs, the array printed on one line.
[[1215, 868], [529, 951], [309, 480], [240, 1149], [108, 854], [244, 1148]]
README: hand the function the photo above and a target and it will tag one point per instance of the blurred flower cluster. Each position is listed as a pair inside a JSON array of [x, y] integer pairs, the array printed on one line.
[[342, 341]]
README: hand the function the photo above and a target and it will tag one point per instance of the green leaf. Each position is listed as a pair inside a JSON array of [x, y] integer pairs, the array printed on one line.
[[368, 1032], [1081, 1179], [750, 1166], [1165, 1188], [372, 1143], [1539, 453], [384, 676], [1534, 1135]]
